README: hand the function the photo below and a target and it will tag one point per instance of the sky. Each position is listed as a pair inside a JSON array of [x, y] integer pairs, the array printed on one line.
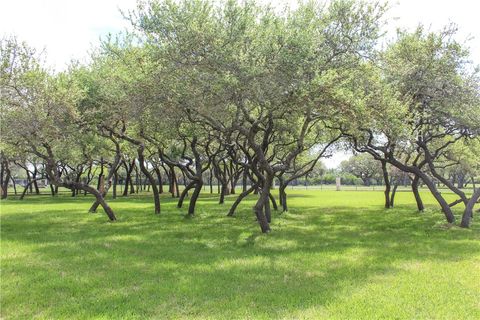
[[67, 29]]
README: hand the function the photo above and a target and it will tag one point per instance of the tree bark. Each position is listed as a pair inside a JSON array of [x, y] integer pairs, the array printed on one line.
[[185, 193], [194, 198], [392, 196], [26, 189], [272, 199], [242, 195], [143, 168], [115, 182], [386, 179], [34, 177], [223, 191], [260, 206], [100, 176], [128, 176], [159, 178], [468, 213], [443, 204], [5, 178], [416, 193]]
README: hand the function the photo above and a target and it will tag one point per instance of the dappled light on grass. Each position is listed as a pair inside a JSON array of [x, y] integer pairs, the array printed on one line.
[[336, 255]]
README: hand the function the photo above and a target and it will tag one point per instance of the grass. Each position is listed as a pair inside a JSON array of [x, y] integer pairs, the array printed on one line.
[[335, 255]]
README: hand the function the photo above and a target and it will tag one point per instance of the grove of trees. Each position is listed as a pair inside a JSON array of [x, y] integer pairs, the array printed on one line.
[[245, 94]]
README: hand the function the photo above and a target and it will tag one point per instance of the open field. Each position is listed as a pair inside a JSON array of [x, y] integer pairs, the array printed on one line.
[[335, 255]]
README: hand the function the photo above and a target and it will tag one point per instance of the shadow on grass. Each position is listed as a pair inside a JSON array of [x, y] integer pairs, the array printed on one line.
[[74, 264]]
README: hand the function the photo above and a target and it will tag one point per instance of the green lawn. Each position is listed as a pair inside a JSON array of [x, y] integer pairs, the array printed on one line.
[[335, 255]]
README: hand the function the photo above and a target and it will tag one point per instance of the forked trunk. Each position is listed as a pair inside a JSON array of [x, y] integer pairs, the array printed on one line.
[[185, 193]]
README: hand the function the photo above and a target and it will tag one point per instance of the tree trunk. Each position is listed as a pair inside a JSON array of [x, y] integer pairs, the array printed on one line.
[[29, 178], [231, 212], [268, 213], [443, 204], [143, 168], [222, 193], [418, 199], [386, 179], [14, 185], [272, 199], [128, 178], [114, 188], [260, 206], [282, 194], [244, 180], [159, 178], [468, 213], [210, 181], [100, 176], [185, 193], [193, 199], [6, 177], [34, 177], [26, 189], [392, 196], [174, 182]]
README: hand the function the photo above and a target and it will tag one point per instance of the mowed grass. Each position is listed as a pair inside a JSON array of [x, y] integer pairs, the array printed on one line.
[[335, 255]]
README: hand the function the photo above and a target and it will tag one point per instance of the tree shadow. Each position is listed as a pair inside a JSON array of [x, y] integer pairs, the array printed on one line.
[[165, 266]]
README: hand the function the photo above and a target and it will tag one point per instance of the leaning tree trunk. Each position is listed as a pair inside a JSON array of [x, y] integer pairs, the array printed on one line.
[[112, 174], [185, 193], [441, 201], [98, 196], [27, 186], [416, 193], [242, 195], [468, 213], [272, 199]]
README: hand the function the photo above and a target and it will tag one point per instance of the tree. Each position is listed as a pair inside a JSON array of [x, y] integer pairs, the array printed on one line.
[[252, 75], [426, 81], [362, 166], [41, 109]]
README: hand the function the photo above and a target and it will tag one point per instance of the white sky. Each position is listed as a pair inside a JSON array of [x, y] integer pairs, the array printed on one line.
[[67, 29]]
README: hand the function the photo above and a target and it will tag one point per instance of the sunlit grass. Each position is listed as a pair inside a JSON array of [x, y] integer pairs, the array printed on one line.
[[336, 255]]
